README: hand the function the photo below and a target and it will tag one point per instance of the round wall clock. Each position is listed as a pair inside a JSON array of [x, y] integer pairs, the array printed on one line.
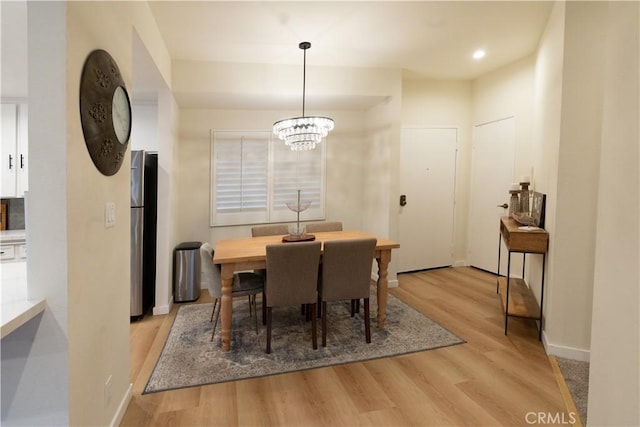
[[105, 112]]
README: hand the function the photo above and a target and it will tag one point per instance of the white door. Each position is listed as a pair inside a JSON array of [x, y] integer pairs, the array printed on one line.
[[492, 165], [427, 181]]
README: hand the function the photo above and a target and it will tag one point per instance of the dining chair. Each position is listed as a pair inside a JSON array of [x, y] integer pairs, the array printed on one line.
[[317, 227], [292, 277], [269, 230], [346, 275], [244, 284]]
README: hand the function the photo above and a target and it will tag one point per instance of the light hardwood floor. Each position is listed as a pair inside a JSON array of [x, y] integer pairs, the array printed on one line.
[[490, 380]]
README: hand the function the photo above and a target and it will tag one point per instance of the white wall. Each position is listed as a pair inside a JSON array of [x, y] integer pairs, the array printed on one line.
[[155, 128], [572, 183], [615, 340], [35, 358], [443, 103], [168, 207], [13, 36], [144, 129], [59, 362]]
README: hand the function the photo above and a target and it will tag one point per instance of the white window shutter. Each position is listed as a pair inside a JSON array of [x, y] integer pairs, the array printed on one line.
[[254, 175], [297, 170], [240, 178]]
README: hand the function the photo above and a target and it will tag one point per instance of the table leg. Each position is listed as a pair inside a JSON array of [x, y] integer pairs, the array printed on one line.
[[226, 305], [383, 284]]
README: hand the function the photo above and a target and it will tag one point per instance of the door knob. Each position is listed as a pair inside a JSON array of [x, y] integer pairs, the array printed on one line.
[[503, 206], [403, 200]]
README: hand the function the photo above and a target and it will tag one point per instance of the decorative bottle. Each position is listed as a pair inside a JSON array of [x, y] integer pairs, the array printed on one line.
[[524, 195], [514, 202]]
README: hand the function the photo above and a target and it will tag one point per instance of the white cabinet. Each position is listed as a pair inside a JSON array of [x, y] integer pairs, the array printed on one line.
[[7, 253], [14, 144], [13, 246], [13, 252]]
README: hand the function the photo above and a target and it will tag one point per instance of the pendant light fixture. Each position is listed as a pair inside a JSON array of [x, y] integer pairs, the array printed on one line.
[[305, 132]]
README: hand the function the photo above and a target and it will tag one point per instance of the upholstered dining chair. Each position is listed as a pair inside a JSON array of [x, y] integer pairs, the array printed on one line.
[[244, 284], [346, 275], [269, 230], [292, 277], [317, 227]]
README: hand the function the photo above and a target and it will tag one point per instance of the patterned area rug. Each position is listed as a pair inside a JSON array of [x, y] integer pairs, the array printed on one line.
[[190, 359]]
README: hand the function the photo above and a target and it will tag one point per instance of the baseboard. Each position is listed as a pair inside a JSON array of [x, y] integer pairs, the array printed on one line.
[[390, 283], [564, 351], [163, 309], [122, 408]]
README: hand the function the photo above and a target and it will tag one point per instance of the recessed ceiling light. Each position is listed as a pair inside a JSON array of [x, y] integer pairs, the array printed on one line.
[[479, 54]]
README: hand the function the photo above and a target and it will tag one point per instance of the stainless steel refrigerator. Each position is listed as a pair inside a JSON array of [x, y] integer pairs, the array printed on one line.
[[144, 196]]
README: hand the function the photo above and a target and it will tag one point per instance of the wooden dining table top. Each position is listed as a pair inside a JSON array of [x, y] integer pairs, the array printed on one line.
[[255, 248]]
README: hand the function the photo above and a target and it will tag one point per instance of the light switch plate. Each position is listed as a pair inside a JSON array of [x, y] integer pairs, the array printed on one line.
[[110, 215]]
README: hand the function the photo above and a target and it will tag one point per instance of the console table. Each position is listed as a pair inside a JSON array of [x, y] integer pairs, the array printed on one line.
[[516, 297]]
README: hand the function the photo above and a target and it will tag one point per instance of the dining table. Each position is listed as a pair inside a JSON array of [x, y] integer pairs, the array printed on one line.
[[235, 255]]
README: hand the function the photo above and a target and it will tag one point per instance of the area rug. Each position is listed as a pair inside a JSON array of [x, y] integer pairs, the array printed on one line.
[[190, 359]]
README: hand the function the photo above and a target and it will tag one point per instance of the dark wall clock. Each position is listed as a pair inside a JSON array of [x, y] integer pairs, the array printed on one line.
[[105, 112]]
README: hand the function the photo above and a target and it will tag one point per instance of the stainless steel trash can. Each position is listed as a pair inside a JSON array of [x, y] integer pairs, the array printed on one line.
[[186, 272]]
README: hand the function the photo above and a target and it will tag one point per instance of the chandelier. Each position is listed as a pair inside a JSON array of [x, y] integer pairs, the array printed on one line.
[[305, 132]]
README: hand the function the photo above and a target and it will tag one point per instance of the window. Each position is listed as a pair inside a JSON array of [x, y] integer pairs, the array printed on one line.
[[255, 175]]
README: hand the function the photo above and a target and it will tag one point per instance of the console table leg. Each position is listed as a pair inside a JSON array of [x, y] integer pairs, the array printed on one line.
[[506, 308], [544, 258]]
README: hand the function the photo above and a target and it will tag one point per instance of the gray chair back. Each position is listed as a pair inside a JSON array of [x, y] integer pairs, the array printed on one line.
[[317, 227], [269, 230], [292, 273], [346, 269], [210, 272]]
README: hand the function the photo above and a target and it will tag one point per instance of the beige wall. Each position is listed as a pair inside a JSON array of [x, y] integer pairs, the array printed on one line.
[[380, 190], [443, 103], [98, 265], [345, 150], [572, 184], [358, 187], [508, 92], [615, 341], [168, 207]]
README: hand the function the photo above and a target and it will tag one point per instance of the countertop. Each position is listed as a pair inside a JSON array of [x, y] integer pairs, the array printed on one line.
[[17, 308]]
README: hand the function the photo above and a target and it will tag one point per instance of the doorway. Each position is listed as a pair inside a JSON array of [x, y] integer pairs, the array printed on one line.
[[427, 185]]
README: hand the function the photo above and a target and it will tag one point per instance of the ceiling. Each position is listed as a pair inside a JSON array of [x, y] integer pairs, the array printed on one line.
[[426, 39]]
